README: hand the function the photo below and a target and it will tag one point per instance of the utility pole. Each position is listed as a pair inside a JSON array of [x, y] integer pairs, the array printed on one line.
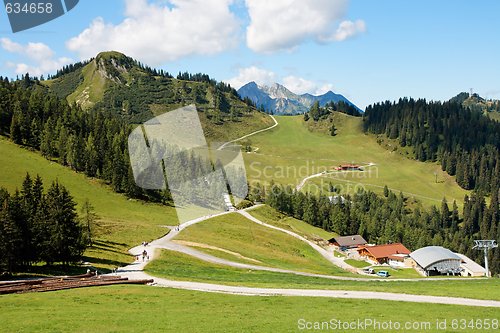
[[486, 246]]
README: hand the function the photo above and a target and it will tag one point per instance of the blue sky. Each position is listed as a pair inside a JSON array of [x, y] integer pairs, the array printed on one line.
[[369, 51]]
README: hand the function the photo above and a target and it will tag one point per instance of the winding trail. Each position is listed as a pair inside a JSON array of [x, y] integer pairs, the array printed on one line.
[[136, 271], [253, 133], [324, 174]]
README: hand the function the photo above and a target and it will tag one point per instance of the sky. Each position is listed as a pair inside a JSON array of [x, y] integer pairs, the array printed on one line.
[[369, 51]]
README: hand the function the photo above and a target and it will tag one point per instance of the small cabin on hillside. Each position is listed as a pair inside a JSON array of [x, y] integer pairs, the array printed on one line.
[[349, 167], [347, 242]]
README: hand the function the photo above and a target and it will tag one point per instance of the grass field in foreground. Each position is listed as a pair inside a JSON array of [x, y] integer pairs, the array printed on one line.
[[177, 266], [273, 217], [291, 152], [122, 223], [273, 248], [148, 309]]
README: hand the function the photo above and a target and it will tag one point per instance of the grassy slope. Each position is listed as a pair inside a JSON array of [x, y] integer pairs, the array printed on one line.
[[272, 216], [291, 152], [229, 130], [91, 90], [146, 309], [177, 266], [123, 223], [273, 248]]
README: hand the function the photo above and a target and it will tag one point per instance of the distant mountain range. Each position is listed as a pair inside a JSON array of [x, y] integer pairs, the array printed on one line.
[[277, 99]]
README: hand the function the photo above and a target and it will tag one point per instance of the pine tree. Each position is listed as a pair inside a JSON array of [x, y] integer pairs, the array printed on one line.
[[19, 216], [310, 211], [47, 139], [89, 218], [333, 130], [12, 237], [314, 112], [62, 146], [34, 140], [90, 157], [455, 218], [66, 239], [386, 191], [15, 131], [445, 214]]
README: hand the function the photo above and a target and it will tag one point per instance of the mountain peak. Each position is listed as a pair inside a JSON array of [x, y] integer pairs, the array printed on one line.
[[107, 55], [114, 66], [251, 84], [278, 99]]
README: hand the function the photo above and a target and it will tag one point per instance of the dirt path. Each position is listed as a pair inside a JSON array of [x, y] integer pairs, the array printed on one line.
[[210, 247], [327, 255], [324, 174], [250, 291], [136, 271], [253, 133]]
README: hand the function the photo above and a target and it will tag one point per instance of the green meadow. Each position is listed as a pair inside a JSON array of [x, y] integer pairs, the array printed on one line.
[[271, 216], [122, 223], [269, 247], [292, 151], [145, 309]]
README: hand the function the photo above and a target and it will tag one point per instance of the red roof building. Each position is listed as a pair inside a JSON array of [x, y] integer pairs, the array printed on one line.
[[351, 167], [382, 253]]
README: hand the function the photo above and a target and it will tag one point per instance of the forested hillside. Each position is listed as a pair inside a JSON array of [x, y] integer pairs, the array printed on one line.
[[113, 82], [389, 219], [463, 141], [467, 145], [93, 138]]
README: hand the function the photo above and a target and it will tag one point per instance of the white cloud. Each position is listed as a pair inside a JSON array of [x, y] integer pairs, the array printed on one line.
[[249, 74], [41, 58], [264, 77], [346, 30], [299, 85], [156, 33], [284, 24], [323, 89]]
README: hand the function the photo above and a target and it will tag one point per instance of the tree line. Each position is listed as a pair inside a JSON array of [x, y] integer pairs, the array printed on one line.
[[39, 226], [95, 142], [388, 218], [463, 141], [91, 142], [317, 112]]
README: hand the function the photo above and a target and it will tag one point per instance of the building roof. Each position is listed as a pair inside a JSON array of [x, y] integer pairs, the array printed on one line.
[[398, 257], [429, 255], [471, 265], [345, 241], [386, 250]]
